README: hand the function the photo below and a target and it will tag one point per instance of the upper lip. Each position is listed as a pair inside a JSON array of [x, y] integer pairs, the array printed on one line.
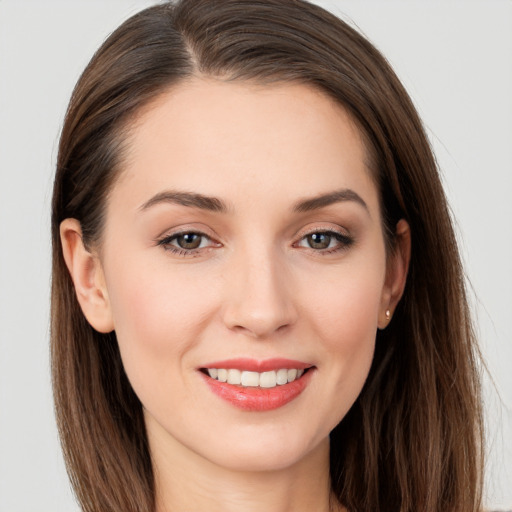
[[254, 365]]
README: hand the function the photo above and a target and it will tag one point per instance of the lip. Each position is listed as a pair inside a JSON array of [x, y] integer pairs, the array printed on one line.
[[255, 398], [253, 365]]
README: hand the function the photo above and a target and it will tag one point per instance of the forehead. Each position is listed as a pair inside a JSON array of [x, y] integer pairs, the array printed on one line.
[[218, 137]]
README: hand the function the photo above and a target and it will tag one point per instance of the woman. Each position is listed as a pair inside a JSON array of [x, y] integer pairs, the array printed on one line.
[[255, 304]]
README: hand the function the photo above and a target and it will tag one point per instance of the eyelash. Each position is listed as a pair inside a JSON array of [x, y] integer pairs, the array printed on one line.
[[166, 243], [344, 242]]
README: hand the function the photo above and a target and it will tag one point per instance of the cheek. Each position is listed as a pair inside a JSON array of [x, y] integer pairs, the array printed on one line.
[[158, 319], [347, 323], [345, 305], [344, 319]]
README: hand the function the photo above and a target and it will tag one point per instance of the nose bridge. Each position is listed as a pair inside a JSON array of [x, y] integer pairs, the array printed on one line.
[[258, 300]]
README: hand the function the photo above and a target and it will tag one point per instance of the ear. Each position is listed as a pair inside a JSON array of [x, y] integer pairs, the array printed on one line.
[[396, 273], [87, 275]]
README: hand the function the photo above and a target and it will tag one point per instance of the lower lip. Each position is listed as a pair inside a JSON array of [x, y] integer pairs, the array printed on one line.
[[259, 399]]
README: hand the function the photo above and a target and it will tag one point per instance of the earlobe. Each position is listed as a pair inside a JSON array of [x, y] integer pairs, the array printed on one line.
[[396, 274], [87, 274]]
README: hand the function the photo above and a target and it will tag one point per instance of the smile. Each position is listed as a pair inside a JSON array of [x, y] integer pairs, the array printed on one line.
[[269, 379], [258, 386]]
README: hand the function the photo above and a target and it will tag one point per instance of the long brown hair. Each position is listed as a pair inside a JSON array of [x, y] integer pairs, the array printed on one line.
[[413, 439]]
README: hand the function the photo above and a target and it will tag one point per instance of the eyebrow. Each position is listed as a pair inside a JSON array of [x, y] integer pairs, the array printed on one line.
[[323, 200], [189, 199], [214, 204]]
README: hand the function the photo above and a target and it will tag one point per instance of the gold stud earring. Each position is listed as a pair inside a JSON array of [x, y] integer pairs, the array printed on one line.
[[388, 314]]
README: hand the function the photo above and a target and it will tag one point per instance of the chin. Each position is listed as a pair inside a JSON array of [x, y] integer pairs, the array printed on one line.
[[261, 452]]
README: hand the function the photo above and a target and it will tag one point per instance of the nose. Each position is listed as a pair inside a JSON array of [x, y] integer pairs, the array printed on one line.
[[258, 296]]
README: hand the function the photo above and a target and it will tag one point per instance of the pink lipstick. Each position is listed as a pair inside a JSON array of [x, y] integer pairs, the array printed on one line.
[[254, 385]]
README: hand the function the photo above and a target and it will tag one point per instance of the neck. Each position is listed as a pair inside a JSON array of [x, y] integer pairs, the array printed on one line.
[[185, 480]]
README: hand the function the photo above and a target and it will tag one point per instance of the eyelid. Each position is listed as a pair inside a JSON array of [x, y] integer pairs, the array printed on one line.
[[192, 226], [186, 227], [323, 229], [177, 234]]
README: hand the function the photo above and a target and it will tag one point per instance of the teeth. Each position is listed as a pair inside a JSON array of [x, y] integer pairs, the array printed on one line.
[[268, 380], [254, 379], [234, 377], [282, 376], [250, 379], [292, 375]]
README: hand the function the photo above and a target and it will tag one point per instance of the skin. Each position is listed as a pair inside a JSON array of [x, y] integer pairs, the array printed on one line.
[[255, 287]]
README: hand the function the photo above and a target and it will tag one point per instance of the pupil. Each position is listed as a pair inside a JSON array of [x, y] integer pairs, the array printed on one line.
[[319, 240], [189, 241]]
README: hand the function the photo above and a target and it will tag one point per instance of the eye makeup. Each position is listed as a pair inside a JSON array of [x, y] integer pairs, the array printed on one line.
[[187, 243], [325, 241], [192, 242]]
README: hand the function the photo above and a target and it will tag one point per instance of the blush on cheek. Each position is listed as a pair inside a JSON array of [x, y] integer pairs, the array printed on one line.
[[346, 321], [159, 321], [351, 306]]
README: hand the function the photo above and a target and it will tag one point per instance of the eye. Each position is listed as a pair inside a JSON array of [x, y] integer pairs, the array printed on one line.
[[319, 240], [325, 241], [187, 242]]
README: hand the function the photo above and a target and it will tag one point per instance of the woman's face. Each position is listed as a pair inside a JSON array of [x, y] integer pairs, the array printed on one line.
[[244, 236]]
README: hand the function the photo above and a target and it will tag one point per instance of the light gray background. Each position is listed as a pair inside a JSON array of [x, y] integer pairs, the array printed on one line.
[[455, 58]]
